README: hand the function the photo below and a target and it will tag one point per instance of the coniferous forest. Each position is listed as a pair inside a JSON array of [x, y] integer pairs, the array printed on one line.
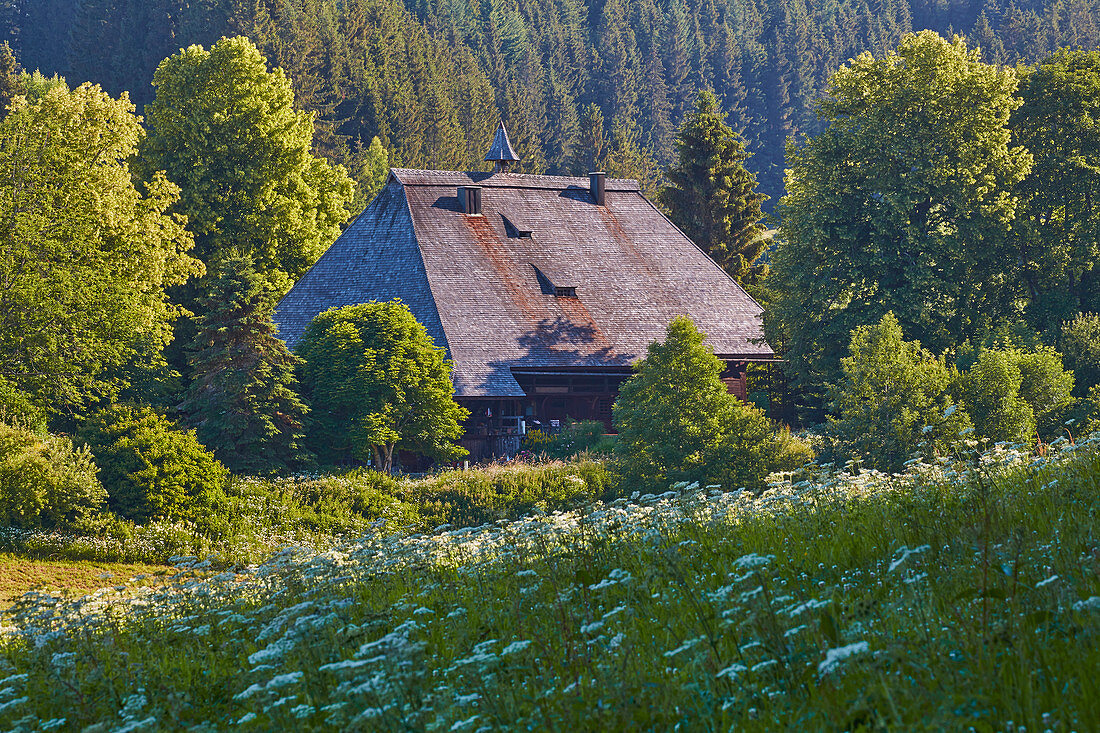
[[579, 83]]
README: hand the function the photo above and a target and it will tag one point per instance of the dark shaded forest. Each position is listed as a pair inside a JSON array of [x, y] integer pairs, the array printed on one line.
[[580, 83]]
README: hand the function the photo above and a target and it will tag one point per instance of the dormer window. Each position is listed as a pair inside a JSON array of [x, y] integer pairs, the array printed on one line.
[[513, 231], [550, 288]]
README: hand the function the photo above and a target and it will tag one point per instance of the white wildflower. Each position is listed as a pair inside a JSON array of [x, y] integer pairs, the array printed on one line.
[[833, 657], [1089, 604], [733, 670], [904, 553], [1048, 581]]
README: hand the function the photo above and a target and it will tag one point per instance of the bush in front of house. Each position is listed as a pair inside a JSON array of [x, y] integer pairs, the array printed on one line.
[[151, 468], [378, 384], [677, 422], [575, 437], [45, 482]]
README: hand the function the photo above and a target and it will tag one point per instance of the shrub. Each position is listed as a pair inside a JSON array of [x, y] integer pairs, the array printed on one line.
[[583, 436], [45, 483], [678, 422], [893, 399], [152, 469], [1014, 395], [1081, 348]]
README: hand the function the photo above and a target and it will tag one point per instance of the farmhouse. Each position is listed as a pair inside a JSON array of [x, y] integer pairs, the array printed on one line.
[[543, 289]]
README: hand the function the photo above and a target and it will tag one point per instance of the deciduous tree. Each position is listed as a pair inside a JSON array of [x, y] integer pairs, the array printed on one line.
[[225, 129], [902, 204], [678, 422], [377, 383], [85, 252], [893, 400]]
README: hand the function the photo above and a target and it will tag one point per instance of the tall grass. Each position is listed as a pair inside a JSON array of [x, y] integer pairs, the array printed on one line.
[[256, 517], [955, 596]]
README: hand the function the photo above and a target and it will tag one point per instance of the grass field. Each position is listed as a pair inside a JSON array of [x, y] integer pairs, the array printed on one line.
[[20, 574], [958, 596]]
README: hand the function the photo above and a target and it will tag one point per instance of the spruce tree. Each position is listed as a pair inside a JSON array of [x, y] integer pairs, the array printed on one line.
[[243, 400], [712, 197], [10, 83]]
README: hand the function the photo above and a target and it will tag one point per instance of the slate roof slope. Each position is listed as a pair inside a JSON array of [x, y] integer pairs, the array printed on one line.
[[481, 288]]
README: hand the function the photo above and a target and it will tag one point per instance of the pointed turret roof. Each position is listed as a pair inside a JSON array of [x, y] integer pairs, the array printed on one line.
[[502, 151]]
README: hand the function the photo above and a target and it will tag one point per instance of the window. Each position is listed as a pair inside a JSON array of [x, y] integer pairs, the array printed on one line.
[[565, 292]]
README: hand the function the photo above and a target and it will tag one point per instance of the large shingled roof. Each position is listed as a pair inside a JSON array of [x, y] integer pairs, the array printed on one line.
[[484, 286]]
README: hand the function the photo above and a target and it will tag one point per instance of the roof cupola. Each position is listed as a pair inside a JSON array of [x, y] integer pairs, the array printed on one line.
[[501, 153]]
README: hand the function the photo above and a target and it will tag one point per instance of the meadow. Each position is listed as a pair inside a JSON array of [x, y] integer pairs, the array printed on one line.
[[255, 517], [960, 595]]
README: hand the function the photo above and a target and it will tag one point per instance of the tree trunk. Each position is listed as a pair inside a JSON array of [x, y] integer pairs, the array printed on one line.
[[383, 457]]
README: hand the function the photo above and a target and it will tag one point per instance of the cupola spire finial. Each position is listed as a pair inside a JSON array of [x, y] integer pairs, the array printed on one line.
[[501, 152]]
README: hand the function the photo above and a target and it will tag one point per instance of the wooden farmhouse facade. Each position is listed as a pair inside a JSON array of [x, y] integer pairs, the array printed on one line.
[[544, 290]]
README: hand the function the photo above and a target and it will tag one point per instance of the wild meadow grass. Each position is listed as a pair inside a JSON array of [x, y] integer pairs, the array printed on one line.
[[256, 517], [956, 596]]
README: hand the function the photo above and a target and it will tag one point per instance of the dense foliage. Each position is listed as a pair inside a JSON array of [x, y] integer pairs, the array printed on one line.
[[151, 468], [242, 400], [226, 131], [86, 250], [428, 77], [1057, 230], [678, 422], [902, 204], [897, 402], [893, 400], [378, 383], [45, 483]]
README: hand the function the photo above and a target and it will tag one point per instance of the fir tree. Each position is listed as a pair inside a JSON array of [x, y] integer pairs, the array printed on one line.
[[10, 84], [712, 197], [243, 400]]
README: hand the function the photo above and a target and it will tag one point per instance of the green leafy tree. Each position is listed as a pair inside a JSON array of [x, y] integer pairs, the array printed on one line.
[[378, 383], [711, 196], [677, 421], [1057, 231], [991, 393], [1045, 386], [150, 467], [374, 170], [242, 400], [902, 204], [893, 400], [85, 251], [1080, 344], [225, 129]]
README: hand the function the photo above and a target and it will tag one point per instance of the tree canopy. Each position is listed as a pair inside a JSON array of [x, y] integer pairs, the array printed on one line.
[[225, 129], [1057, 229], [902, 204], [377, 382], [86, 251]]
